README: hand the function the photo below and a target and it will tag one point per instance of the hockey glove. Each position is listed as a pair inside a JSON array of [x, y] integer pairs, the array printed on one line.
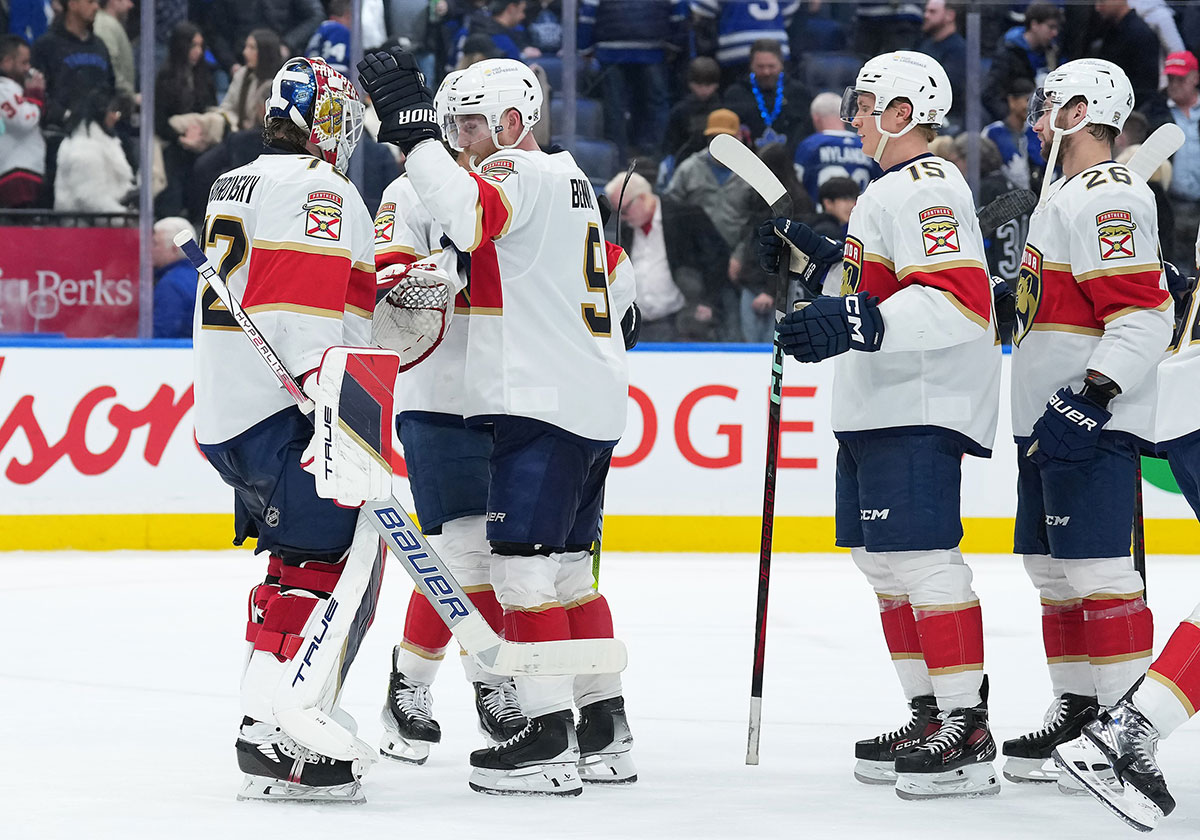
[[811, 253], [402, 100], [829, 326], [1069, 429], [1005, 304], [1181, 289], [631, 326]]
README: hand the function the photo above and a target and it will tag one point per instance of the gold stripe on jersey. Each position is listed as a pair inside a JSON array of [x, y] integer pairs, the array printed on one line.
[[1162, 307], [401, 249], [955, 669], [363, 266], [297, 308], [487, 310], [1067, 328], [934, 268], [302, 247], [362, 313], [1121, 657], [970, 316], [1063, 660], [1174, 689], [1118, 271], [877, 258], [1055, 266], [612, 269]]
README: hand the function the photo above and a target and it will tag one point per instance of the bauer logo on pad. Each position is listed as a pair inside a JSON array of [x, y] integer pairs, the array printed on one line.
[[939, 231]]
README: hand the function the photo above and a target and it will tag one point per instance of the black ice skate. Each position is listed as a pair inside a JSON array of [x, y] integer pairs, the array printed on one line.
[[604, 743], [408, 725], [540, 760], [955, 761], [877, 756], [279, 769], [1028, 757], [1120, 739], [500, 716]]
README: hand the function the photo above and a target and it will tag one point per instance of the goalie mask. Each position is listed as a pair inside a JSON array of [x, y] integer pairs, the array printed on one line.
[[487, 90], [321, 101]]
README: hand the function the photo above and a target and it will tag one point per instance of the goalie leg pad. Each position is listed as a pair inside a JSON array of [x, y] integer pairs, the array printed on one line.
[[260, 596]]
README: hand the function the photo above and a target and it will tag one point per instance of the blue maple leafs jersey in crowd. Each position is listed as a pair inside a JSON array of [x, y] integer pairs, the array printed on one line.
[[331, 42], [1019, 153], [833, 154], [742, 22]]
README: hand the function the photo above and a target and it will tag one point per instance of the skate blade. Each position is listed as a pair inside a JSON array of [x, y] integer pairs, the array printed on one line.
[[607, 769], [262, 789], [1023, 771], [875, 772], [537, 780], [971, 780], [1084, 767], [395, 746], [1128, 805]]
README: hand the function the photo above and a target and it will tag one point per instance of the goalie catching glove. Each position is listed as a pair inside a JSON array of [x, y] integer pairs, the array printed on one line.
[[413, 316], [350, 454]]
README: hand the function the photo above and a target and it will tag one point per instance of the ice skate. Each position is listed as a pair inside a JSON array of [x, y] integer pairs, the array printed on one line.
[[408, 725], [955, 761], [539, 760], [1122, 739], [605, 743], [1028, 757], [877, 756], [500, 716], [278, 769]]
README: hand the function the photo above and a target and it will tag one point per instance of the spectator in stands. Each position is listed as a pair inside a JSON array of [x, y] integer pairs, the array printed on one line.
[[22, 150], [228, 22], [689, 116], [1128, 142], [545, 25], [838, 197], [886, 26], [943, 42], [629, 39], [728, 30], [1161, 20], [175, 280], [1183, 91], [27, 18], [678, 261], [184, 86], [831, 151], [1025, 53], [771, 103], [331, 41], [110, 28], [77, 68], [1012, 135], [504, 29], [93, 174], [1126, 41], [251, 84]]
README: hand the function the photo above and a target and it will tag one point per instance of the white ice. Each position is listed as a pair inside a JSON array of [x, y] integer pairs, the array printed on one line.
[[119, 673]]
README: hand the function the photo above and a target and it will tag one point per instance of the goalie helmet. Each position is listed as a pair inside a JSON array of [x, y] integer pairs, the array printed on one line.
[[902, 74], [489, 89], [321, 101], [1103, 84]]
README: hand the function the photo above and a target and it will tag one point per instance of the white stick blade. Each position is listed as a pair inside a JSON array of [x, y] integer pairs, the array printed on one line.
[[574, 656], [745, 164], [1159, 146]]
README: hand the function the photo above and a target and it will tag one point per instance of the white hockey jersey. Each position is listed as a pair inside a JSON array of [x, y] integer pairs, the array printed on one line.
[[292, 238], [544, 338], [913, 241], [21, 143], [1178, 414], [1091, 295]]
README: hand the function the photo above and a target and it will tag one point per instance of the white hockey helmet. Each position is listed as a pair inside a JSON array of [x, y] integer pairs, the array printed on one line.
[[902, 74], [1103, 84], [321, 101], [489, 89]]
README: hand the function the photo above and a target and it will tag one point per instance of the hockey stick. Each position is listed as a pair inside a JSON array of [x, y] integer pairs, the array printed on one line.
[[1004, 208], [420, 561], [1139, 528], [1156, 150], [746, 165]]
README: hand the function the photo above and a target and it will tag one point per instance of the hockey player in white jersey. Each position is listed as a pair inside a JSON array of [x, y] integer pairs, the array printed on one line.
[[292, 240], [1093, 320], [545, 367], [447, 463], [908, 314]]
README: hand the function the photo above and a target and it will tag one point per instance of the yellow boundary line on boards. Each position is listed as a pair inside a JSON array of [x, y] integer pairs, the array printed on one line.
[[214, 531]]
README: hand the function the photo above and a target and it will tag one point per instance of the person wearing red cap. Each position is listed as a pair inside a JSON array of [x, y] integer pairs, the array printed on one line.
[[1183, 91]]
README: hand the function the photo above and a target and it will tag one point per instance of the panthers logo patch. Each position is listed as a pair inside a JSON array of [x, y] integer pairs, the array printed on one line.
[[324, 219], [851, 266], [385, 223], [1029, 291], [939, 231], [1114, 230]]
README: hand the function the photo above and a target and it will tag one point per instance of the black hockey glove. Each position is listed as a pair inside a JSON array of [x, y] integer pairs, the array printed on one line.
[[830, 326], [1005, 304], [631, 326], [819, 252], [1181, 288], [1069, 429], [402, 100]]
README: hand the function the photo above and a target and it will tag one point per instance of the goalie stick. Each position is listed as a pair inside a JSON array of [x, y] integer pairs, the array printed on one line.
[[420, 561], [746, 165]]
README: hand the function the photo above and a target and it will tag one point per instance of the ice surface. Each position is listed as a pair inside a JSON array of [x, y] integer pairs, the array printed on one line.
[[119, 676]]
